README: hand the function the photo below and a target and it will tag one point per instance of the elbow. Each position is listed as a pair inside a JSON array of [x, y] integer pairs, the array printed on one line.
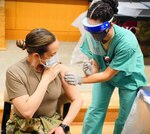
[[80, 101], [106, 77], [27, 114]]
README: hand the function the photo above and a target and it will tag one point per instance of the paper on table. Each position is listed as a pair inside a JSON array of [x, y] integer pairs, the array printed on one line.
[[146, 4], [135, 5], [129, 11]]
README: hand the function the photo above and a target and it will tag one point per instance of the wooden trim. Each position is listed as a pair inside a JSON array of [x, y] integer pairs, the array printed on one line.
[[2, 25], [57, 16], [1, 114], [61, 35], [110, 116], [3, 48]]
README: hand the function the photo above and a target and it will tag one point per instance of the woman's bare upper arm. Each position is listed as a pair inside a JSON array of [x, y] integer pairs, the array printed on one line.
[[70, 90]]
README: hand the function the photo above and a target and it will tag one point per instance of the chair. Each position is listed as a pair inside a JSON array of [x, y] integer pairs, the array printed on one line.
[[63, 107], [6, 112]]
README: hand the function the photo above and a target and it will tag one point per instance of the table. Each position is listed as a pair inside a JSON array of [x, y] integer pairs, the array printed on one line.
[[144, 14]]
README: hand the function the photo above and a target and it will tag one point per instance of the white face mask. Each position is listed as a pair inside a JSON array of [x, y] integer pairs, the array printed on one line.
[[50, 61]]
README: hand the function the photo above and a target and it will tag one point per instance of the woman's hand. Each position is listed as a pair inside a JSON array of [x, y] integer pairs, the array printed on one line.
[[50, 74], [30, 106], [57, 130]]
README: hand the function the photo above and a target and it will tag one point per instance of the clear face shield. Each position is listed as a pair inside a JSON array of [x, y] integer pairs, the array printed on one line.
[[98, 31], [81, 23]]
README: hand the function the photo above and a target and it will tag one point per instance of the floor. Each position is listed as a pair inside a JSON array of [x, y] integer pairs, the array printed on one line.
[[107, 129]]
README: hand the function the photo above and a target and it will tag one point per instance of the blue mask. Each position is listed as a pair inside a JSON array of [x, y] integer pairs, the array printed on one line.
[[49, 62]]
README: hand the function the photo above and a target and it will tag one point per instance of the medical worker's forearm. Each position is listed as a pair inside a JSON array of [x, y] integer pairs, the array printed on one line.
[[97, 77], [100, 77]]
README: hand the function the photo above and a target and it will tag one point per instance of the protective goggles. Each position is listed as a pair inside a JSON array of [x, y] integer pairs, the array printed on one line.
[[95, 28]]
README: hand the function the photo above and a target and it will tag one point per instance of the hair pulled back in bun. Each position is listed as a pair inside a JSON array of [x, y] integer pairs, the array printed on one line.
[[37, 41], [21, 44], [103, 10]]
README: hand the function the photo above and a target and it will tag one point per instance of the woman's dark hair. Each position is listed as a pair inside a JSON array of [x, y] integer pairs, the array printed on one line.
[[37, 41], [103, 10]]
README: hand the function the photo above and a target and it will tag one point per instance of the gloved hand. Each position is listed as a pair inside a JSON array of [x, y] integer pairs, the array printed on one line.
[[73, 79], [88, 67]]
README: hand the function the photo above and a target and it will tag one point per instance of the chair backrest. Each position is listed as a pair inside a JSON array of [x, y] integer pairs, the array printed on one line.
[[63, 107], [6, 112], [6, 97]]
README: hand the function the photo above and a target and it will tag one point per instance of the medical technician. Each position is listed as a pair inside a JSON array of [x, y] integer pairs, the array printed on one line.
[[116, 60]]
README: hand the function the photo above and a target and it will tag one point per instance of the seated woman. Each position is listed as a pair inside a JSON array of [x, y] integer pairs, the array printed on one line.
[[34, 86]]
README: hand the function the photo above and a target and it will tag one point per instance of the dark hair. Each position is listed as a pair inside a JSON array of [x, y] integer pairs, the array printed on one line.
[[37, 41], [103, 10]]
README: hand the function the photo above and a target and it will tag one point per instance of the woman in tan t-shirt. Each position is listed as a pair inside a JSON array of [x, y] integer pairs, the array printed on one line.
[[35, 85]]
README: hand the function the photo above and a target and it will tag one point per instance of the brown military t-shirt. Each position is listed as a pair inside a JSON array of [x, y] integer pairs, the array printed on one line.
[[22, 79]]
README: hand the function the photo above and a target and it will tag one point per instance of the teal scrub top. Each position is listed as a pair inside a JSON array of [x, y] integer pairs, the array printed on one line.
[[125, 55]]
